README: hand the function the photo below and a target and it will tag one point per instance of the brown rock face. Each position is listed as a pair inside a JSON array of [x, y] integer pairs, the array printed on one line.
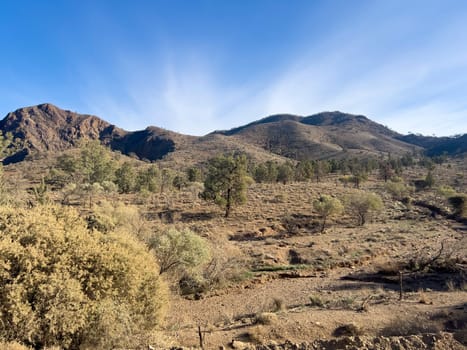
[[47, 128]]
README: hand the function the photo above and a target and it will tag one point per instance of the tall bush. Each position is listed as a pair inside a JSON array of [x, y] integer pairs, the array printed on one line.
[[361, 204], [63, 285]]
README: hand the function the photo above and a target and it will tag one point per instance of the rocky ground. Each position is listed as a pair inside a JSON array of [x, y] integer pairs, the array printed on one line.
[[336, 290]]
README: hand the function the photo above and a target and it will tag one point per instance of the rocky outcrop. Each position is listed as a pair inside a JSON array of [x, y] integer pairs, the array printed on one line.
[[439, 341], [47, 128]]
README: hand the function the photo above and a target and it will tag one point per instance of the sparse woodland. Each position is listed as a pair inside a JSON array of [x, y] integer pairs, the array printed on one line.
[[103, 251]]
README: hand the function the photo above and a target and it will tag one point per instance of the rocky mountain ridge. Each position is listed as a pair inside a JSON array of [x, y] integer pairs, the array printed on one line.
[[47, 128]]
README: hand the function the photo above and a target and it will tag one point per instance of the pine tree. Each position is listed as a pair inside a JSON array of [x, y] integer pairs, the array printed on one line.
[[227, 181]]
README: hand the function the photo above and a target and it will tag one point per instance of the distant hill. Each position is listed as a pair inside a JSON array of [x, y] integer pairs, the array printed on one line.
[[436, 146], [47, 128], [323, 135]]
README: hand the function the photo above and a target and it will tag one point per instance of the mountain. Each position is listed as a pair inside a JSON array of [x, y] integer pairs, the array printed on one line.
[[436, 146], [323, 135], [47, 128]]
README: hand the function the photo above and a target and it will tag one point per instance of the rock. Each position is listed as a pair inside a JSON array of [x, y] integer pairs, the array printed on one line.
[[237, 344], [440, 341]]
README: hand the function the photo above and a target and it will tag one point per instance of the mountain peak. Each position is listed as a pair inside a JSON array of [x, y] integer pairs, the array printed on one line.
[[46, 127], [334, 118], [335, 134]]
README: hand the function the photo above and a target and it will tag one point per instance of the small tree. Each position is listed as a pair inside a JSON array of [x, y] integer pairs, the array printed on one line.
[[178, 250], [285, 172], [386, 171], [363, 203], [260, 173], [148, 179], [429, 179], [166, 179], [65, 170], [194, 174], [358, 178], [320, 169], [179, 182], [89, 191], [304, 170], [272, 171], [96, 163], [227, 181], [125, 178], [327, 206]]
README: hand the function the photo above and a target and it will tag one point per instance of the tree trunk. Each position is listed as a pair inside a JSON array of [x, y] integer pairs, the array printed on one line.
[[323, 225], [228, 204]]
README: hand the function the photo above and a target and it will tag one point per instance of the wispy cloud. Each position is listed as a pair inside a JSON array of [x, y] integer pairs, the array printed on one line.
[[418, 87]]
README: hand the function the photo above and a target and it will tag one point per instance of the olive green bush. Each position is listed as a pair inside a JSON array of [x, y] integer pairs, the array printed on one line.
[[117, 216], [178, 249], [398, 190], [64, 285], [327, 206], [362, 203]]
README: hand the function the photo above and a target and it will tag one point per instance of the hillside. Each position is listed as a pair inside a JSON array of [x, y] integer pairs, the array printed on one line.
[[436, 146], [46, 128], [323, 135]]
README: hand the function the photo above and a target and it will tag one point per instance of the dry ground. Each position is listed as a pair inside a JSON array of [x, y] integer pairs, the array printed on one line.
[[293, 283], [315, 283]]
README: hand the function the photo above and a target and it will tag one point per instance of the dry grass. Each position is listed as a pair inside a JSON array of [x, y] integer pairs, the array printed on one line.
[[266, 318], [13, 346], [348, 330], [257, 236]]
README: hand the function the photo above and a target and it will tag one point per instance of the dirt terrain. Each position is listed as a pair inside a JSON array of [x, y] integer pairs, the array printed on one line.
[[307, 286], [281, 284]]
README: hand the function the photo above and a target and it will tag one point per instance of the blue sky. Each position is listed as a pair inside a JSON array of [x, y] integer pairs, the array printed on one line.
[[195, 66]]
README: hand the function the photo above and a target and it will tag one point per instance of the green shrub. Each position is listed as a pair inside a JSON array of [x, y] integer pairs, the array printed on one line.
[[398, 190], [316, 300], [327, 206], [63, 285], [446, 191], [179, 249], [118, 216], [361, 204]]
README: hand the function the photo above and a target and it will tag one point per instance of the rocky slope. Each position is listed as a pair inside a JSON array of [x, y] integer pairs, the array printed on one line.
[[47, 128], [323, 135]]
